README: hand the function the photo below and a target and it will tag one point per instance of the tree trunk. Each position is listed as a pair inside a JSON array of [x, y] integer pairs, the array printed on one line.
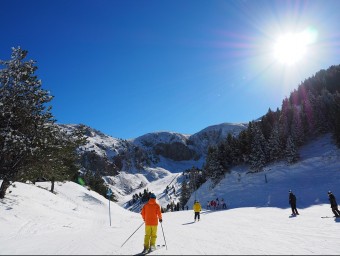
[[5, 184], [52, 186]]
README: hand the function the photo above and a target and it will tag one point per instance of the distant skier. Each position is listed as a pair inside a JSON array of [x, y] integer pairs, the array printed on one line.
[[334, 204], [292, 202], [197, 209], [151, 213], [224, 206], [217, 204]]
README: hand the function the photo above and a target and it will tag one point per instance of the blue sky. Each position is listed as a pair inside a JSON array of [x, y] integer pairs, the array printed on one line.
[[128, 68]]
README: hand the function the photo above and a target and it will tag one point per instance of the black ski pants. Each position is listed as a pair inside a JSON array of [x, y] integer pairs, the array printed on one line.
[[197, 215], [335, 210], [294, 210]]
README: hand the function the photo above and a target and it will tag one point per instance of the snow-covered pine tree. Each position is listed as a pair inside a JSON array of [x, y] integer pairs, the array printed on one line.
[[258, 155], [25, 117], [225, 152], [236, 153], [274, 144], [308, 119], [185, 193], [267, 122], [336, 112], [58, 160], [28, 135], [285, 120], [243, 145], [291, 152], [297, 131], [213, 169]]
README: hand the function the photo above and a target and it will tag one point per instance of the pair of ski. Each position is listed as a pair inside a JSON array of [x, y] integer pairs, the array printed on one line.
[[159, 246], [293, 215]]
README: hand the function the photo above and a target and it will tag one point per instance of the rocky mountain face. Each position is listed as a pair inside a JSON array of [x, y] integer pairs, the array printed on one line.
[[108, 156]]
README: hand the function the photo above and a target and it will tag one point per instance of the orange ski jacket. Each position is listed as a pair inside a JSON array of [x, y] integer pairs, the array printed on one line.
[[151, 212]]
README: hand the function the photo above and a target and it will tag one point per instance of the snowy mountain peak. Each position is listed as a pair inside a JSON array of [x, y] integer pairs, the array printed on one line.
[[154, 138]]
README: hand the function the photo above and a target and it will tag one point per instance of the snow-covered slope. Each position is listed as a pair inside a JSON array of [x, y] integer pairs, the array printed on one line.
[[75, 221], [310, 179], [318, 170], [156, 176]]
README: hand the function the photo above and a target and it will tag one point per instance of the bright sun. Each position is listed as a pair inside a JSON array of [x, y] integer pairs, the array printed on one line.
[[291, 48]]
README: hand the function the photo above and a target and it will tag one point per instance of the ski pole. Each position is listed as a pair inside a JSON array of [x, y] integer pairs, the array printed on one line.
[[164, 236], [132, 234]]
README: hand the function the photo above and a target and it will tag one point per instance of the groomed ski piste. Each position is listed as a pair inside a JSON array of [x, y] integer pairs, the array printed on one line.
[[76, 221]]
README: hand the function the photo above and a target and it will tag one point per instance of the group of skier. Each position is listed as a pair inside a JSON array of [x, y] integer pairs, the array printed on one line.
[[151, 214], [216, 204], [331, 197]]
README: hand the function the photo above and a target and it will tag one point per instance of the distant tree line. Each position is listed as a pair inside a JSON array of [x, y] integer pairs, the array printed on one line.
[[193, 178], [143, 198], [140, 198], [311, 110], [32, 146]]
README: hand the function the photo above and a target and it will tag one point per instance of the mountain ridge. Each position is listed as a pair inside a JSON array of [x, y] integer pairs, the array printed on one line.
[[149, 147], [147, 157]]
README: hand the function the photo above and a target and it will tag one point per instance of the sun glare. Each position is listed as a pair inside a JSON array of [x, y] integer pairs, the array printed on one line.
[[290, 48]]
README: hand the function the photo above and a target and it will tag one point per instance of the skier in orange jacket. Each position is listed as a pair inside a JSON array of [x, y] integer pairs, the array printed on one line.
[[151, 213]]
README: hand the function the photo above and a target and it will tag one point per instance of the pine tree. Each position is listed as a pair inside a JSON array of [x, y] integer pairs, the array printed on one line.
[[321, 113], [267, 122], [336, 116], [58, 161], [297, 131], [26, 120], [244, 141], [291, 152], [308, 118], [185, 193], [30, 142], [224, 152], [285, 120], [213, 168], [259, 149], [274, 145]]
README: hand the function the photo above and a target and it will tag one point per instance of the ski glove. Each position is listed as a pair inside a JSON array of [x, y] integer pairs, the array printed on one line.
[[161, 220]]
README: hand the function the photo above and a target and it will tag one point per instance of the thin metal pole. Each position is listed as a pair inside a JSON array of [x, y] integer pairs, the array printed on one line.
[[109, 212], [109, 194], [132, 234], [195, 185], [164, 236]]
